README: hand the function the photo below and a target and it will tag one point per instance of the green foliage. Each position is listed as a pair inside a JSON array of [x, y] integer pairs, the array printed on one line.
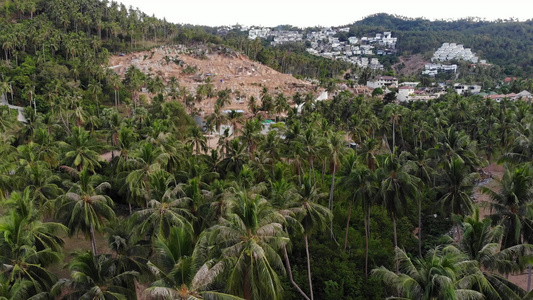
[[238, 218], [497, 41]]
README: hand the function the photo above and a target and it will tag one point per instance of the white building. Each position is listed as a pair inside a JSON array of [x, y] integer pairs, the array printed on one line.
[[382, 81], [462, 88], [404, 93], [450, 51]]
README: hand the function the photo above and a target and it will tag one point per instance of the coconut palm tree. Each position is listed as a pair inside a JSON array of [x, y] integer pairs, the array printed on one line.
[[458, 183], [511, 206], [313, 218], [248, 241], [394, 112], [398, 184], [144, 162], [165, 208], [362, 184], [130, 249], [235, 157], [84, 207], [336, 148], [310, 143], [234, 117], [454, 143], [444, 273], [178, 276], [96, 277], [28, 246], [481, 242], [197, 139], [250, 134], [82, 150], [223, 98]]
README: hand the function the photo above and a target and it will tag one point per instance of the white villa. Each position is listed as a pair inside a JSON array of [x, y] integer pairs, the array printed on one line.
[[382, 81], [449, 51], [462, 88], [404, 93]]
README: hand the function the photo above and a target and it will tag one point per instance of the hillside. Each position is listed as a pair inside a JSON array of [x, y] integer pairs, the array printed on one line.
[[233, 71], [506, 43], [410, 65]]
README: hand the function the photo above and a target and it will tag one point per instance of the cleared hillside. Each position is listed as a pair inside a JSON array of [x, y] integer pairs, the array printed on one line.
[[233, 71]]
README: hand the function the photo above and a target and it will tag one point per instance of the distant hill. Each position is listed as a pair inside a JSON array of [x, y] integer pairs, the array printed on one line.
[[508, 44]]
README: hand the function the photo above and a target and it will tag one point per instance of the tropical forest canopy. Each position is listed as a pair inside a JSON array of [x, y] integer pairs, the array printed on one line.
[[108, 192]]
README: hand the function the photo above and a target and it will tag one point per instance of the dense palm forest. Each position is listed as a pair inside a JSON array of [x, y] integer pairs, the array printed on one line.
[[291, 214]]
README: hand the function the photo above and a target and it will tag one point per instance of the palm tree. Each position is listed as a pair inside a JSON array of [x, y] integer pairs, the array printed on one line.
[[482, 242], [248, 239], [235, 157], [223, 98], [197, 139], [441, 274], [397, 186], [14, 290], [234, 117], [361, 183], [310, 143], [130, 249], [43, 184], [82, 150], [28, 245], [84, 208], [313, 218], [165, 209], [95, 88], [457, 187], [454, 143], [177, 273], [144, 162], [5, 87], [511, 207], [336, 149], [250, 134], [116, 83], [216, 119], [96, 277]]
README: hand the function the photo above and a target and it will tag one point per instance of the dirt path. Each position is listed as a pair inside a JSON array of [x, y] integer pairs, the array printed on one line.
[[496, 171]]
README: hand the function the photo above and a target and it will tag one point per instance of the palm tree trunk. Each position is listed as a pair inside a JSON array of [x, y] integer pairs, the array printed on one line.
[[323, 170], [289, 271], [420, 227], [367, 236], [308, 267], [332, 188], [395, 244], [331, 191], [393, 136], [247, 294], [348, 226], [93, 240]]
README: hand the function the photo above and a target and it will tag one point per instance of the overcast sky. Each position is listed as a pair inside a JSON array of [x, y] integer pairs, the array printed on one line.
[[325, 13]]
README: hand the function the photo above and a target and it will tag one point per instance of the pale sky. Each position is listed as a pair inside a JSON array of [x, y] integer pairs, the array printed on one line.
[[324, 13]]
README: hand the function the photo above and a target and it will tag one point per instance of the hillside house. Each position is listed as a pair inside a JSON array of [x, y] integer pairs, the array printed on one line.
[[383, 82], [404, 93], [524, 95], [462, 88], [411, 84]]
